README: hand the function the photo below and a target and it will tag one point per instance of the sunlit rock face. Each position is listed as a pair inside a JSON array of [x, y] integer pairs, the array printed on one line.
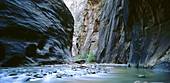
[[135, 32], [90, 30], [77, 8], [87, 21], [37, 31]]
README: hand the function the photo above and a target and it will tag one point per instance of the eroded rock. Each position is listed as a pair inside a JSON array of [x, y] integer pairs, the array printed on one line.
[[42, 30], [134, 32]]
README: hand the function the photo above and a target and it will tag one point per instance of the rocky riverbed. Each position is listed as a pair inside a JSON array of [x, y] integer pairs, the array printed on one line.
[[84, 73]]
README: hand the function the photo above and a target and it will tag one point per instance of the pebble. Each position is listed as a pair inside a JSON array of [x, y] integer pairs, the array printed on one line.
[[141, 76], [104, 71], [41, 70], [138, 82], [49, 72], [55, 71], [38, 76], [28, 79], [93, 66], [15, 77], [59, 76], [93, 72], [28, 74], [14, 74], [88, 71], [34, 72], [71, 75], [74, 69], [44, 74]]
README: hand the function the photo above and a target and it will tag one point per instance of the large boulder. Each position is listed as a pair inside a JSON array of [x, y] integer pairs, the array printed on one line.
[[134, 32], [42, 30]]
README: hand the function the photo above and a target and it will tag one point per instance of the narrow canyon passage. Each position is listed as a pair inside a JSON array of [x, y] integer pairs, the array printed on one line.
[[84, 41], [129, 32]]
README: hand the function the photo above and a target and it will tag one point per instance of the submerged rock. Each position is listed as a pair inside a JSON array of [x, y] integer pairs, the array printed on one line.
[[138, 82], [41, 30], [59, 76], [13, 74], [141, 76], [27, 79], [38, 76]]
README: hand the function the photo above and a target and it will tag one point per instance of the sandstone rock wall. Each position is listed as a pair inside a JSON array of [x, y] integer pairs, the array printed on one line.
[[87, 38], [77, 8], [39, 31], [86, 28], [135, 32], [89, 33]]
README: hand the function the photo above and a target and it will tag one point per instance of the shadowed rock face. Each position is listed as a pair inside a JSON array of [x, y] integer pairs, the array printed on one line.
[[135, 32], [39, 29]]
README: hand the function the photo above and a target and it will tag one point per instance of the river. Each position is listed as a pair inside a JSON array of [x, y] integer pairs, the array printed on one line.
[[90, 73]]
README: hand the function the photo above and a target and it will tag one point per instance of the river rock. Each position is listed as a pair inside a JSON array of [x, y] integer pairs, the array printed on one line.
[[13, 74], [59, 76], [27, 79], [38, 76], [138, 82], [141, 76], [55, 71], [82, 61], [39, 29], [28, 74]]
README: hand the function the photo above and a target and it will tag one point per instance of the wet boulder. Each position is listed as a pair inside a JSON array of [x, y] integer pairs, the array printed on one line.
[[81, 61]]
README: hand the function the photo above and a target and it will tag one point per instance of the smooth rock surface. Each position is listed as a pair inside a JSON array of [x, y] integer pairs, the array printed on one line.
[[39, 29], [135, 32]]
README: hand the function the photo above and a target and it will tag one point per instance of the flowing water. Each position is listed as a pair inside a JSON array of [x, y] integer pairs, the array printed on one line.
[[81, 74]]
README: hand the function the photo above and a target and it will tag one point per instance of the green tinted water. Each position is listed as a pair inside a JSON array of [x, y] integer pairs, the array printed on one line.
[[114, 75]]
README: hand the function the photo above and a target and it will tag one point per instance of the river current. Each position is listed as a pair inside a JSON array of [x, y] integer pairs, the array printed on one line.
[[90, 73]]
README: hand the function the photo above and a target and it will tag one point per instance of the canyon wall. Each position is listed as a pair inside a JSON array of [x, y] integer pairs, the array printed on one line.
[[77, 8], [88, 39], [86, 28], [135, 32], [129, 32], [35, 31]]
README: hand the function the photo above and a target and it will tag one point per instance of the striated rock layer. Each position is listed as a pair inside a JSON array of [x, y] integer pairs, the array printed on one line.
[[135, 32], [86, 28], [77, 8], [38, 31], [90, 31]]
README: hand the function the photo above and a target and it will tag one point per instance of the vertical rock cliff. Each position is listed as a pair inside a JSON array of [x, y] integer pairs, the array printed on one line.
[[90, 30], [86, 28], [135, 32], [77, 8], [36, 31]]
